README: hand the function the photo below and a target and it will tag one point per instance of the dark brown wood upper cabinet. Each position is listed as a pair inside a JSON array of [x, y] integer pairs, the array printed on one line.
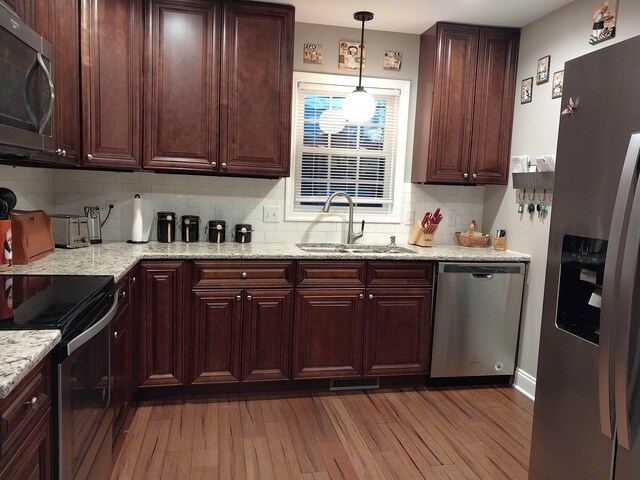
[[255, 94], [58, 22], [218, 87], [111, 44], [181, 85], [466, 90]]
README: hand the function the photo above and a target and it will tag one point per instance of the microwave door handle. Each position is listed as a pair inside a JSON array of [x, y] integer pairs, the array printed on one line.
[[25, 93], [626, 358], [47, 75], [624, 199], [96, 328]]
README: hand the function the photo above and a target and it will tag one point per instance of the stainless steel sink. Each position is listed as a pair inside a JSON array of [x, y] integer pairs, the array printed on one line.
[[352, 248]]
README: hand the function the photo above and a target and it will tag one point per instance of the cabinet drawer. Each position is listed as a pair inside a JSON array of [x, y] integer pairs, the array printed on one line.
[[242, 274], [19, 410], [395, 274], [330, 274]]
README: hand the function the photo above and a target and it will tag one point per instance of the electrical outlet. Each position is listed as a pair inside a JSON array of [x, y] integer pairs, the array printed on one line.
[[408, 216], [451, 217], [271, 214]]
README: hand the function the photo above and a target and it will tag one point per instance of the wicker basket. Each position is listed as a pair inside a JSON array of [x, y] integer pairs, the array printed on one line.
[[468, 239]]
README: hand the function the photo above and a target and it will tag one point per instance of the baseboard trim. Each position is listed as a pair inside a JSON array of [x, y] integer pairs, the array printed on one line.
[[525, 383]]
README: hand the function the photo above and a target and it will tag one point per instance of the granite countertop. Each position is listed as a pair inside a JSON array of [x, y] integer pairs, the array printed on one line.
[[117, 258], [20, 351]]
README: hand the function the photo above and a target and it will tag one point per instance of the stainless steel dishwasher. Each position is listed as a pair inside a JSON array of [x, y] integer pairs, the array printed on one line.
[[476, 319]]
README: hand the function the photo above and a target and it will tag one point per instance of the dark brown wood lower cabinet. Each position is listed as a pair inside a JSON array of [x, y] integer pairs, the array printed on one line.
[[397, 330], [122, 359], [240, 335], [328, 333], [266, 334], [33, 459], [161, 326], [216, 331]]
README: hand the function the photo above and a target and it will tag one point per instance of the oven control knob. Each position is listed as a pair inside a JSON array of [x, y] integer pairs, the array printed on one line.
[[33, 402]]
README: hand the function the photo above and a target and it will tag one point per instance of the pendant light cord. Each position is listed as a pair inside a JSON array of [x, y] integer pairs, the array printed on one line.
[[361, 56]]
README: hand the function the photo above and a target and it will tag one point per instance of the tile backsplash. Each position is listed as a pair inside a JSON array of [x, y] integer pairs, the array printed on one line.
[[236, 200]]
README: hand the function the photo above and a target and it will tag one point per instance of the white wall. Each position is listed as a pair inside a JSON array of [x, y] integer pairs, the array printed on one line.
[[241, 200], [564, 35]]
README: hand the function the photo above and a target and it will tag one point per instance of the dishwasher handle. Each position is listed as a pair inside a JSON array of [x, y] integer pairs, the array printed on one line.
[[486, 276], [481, 270]]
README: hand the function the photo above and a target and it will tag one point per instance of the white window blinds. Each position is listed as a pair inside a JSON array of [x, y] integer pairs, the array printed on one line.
[[334, 155]]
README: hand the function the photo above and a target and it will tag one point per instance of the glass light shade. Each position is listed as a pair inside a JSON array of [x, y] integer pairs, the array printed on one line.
[[359, 106], [332, 121]]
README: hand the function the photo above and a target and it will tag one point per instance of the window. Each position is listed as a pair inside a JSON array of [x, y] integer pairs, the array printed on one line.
[[331, 155]]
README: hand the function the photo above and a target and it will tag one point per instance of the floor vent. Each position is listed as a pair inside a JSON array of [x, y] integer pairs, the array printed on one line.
[[354, 384]]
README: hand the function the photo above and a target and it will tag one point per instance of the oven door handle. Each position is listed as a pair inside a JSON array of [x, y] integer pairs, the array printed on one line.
[[96, 328]]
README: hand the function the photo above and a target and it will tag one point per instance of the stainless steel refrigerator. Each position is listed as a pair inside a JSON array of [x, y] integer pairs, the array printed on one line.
[[587, 408]]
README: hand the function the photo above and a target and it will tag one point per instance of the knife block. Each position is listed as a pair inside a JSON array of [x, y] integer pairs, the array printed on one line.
[[418, 237]]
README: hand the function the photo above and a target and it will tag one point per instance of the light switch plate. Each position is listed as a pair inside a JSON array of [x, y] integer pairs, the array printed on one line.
[[408, 216], [271, 214]]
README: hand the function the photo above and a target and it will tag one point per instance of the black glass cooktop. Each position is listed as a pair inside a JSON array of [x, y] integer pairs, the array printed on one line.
[[32, 302]]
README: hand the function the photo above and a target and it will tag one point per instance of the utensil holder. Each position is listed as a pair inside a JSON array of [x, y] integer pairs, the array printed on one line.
[[500, 243], [418, 237]]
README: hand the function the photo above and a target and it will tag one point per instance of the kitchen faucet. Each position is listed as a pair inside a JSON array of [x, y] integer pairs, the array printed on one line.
[[351, 235]]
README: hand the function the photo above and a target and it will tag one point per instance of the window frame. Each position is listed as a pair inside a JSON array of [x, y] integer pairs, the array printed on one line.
[[339, 214]]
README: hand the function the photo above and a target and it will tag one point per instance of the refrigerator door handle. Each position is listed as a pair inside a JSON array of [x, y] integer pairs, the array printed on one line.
[[624, 199], [625, 358]]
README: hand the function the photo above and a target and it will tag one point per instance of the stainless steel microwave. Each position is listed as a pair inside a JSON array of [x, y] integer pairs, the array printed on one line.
[[26, 87]]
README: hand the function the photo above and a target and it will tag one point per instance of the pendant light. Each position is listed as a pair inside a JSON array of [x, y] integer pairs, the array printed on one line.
[[359, 106]]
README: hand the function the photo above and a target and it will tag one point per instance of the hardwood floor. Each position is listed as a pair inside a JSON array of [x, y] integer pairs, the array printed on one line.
[[434, 433]]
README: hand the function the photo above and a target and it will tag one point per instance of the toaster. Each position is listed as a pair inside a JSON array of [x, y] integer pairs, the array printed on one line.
[[70, 231]]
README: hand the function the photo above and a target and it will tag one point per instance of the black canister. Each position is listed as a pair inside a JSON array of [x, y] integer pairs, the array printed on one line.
[[190, 228], [243, 232], [166, 227], [217, 230]]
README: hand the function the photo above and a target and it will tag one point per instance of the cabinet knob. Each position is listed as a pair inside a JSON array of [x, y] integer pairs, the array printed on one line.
[[60, 152], [371, 296], [223, 165], [244, 274], [466, 175], [133, 279], [474, 175], [33, 402], [238, 297], [89, 156], [123, 294], [214, 164], [361, 296], [115, 334], [249, 297]]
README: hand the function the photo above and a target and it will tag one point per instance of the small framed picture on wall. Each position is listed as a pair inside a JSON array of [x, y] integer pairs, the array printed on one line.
[[542, 75], [558, 81], [526, 90]]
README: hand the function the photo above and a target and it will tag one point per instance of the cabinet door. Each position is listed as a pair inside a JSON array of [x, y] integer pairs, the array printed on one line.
[[111, 41], [216, 333], [121, 367], [328, 333], [33, 460], [58, 22], [493, 107], [396, 332], [452, 114], [161, 329], [257, 66], [181, 84], [266, 334]]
